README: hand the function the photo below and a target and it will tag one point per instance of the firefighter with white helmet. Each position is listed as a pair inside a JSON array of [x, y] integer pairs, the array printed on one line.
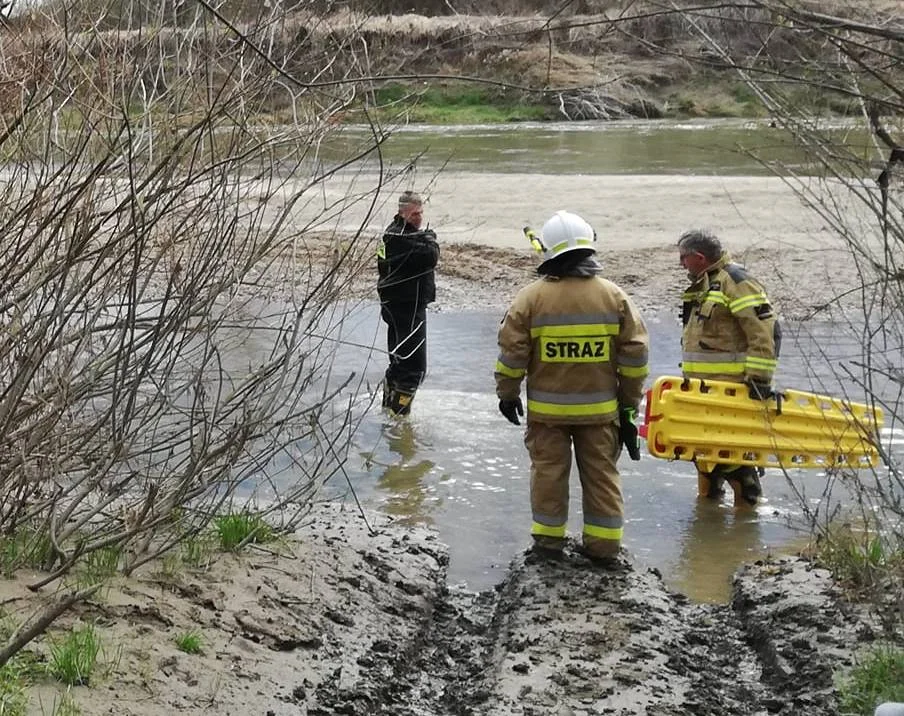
[[581, 344]]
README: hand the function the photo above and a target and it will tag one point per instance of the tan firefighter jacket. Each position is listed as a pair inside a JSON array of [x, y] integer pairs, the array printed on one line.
[[730, 329], [582, 346]]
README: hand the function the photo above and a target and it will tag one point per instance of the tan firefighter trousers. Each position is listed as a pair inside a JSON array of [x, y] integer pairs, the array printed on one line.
[[596, 450]]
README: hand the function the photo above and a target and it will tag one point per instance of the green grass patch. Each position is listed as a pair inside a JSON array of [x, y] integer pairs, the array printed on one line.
[[17, 675], [860, 559], [878, 677], [7, 626], [74, 659], [13, 690], [26, 547], [194, 551], [189, 642], [97, 566], [65, 705], [711, 96], [455, 104], [237, 530], [197, 550]]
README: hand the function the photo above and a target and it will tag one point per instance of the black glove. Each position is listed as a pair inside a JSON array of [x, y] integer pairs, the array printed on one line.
[[511, 409], [627, 431], [759, 390]]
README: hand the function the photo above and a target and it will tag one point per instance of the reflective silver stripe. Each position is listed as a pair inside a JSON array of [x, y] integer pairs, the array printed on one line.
[[543, 396], [636, 361], [568, 319], [714, 357], [549, 521], [510, 363], [613, 521]]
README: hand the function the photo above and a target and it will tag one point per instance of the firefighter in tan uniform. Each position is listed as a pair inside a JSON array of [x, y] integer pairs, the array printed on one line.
[[730, 333], [581, 344]]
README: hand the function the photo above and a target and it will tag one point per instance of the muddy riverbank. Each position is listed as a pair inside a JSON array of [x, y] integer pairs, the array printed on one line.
[[353, 616]]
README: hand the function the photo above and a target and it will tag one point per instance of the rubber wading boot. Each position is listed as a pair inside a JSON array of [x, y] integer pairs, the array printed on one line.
[[617, 562], [541, 553], [709, 485], [398, 402], [745, 483], [545, 549]]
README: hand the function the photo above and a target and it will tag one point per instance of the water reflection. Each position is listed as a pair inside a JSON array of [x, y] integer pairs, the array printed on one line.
[[403, 480], [716, 539]]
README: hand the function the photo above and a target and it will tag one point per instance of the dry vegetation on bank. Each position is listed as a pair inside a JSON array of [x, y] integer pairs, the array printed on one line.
[[579, 61]]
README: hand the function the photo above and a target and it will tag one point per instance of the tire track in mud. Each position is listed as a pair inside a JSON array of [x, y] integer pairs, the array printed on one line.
[[569, 638]]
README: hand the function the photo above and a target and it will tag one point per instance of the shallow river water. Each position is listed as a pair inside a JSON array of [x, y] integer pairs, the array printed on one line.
[[456, 463]]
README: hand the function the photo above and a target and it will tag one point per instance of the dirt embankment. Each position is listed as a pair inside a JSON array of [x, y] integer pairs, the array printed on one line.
[[353, 616], [592, 59], [473, 277]]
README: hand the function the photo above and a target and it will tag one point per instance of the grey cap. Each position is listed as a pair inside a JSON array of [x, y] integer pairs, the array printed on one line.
[[407, 198]]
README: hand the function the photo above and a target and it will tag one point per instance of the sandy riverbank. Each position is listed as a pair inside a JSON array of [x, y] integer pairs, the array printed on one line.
[[627, 211]]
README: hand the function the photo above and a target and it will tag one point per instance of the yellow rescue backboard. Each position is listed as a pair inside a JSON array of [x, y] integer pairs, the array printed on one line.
[[717, 422]]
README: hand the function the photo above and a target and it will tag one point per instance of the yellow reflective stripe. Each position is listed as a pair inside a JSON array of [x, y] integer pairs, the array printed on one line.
[[613, 533], [547, 530], [749, 301], [696, 367], [632, 372], [604, 407], [564, 244], [717, 297], [503, 369], [381, 249], [755, 362], [576, 329]]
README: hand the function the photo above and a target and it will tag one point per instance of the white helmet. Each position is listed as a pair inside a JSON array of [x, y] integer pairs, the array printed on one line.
[[566, 232]]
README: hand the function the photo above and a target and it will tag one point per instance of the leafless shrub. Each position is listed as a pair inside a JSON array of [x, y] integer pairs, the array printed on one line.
[[591, 104], [164, 304]]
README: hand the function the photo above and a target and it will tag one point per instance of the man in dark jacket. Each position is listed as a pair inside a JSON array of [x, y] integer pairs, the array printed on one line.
[[406, 258]]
